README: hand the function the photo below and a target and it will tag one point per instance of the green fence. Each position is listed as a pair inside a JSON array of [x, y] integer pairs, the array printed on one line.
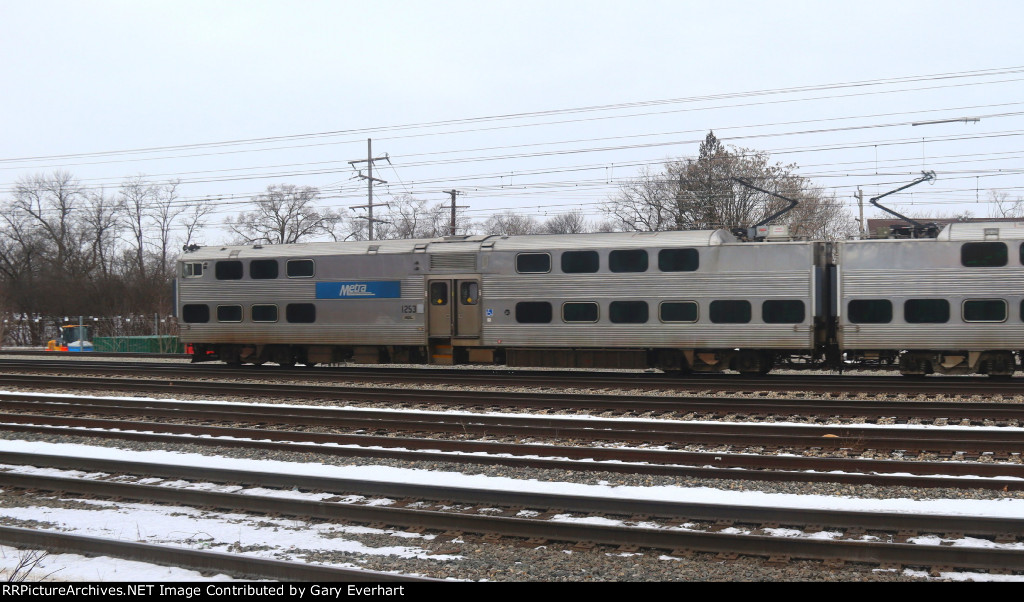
[[150, 344]]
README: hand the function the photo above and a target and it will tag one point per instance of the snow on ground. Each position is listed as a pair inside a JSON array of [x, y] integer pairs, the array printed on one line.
[[286, 539]]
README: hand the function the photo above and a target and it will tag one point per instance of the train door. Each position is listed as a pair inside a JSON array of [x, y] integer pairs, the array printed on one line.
[[454, 308]]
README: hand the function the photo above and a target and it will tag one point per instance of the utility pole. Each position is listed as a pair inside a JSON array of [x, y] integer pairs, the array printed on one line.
[[451, 226], [369, 182], [860, 204]]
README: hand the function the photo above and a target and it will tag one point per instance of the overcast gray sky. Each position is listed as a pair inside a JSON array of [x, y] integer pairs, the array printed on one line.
[[545, 106]]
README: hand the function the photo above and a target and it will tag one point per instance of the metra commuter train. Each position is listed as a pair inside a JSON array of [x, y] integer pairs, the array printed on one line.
[[949, 303]]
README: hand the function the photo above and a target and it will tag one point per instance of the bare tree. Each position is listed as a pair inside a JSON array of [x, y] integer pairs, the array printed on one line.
[[510, 223], [409, 217], [136, 195], [705, 193], [193, 220], [1001, 206], [644, 203], [285, 214], [102, 222], [572, 222], [52, 203], [165, 211]]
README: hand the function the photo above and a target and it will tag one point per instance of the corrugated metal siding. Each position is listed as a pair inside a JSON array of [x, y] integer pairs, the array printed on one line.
[[314, 334], [339, 322], [899, 270], [954, 336], [948, 283], [614, 240], [795, 285], [652, 334], [968, 231]]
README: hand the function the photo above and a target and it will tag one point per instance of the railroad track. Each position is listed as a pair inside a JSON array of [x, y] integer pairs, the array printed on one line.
[[964, 442], [882, 386], [697, 406], [374, 433], [586, 448], [246, 567], [678, 528]]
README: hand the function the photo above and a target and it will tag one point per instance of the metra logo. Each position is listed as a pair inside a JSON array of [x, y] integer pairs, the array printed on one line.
[[354, 290], [377, 289]]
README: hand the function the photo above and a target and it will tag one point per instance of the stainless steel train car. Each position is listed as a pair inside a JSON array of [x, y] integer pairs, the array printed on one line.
[[679, 301], [950, 304], [700, 300]]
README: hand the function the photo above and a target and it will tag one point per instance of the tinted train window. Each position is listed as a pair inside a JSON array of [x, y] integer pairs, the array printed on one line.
[[870, 311], [633, 260], [678, 260], [926, 311], [984, 310], [678, 311], [229, 313], [729, 312], [579, 312], [983, 254], [263, 269], [628, 312], [533, 263], [195, 314], [264, 313], [439, 293], [300, 313], [300, 268], [228, 270], [468, 293], [533, 312], [580, 262], [782, 312]]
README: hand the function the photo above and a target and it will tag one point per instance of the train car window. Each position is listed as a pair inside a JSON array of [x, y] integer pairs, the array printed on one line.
[[984, 310], [783, 311], [631, 260], [730, 311], [300, 268], [228, 270], [678, 260], [195, 313], [580, 262], [533, 263], [983, 254], [229, 313], [678, 311], [870, 311], [263, 269], [264, 313], [300, 313], [439, 293], [192, 270], [628, 312], [926, 311], [579, 312], [533, 312], [468, 294]]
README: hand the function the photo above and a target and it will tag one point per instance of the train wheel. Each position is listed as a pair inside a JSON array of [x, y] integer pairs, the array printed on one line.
[[754, 362]]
